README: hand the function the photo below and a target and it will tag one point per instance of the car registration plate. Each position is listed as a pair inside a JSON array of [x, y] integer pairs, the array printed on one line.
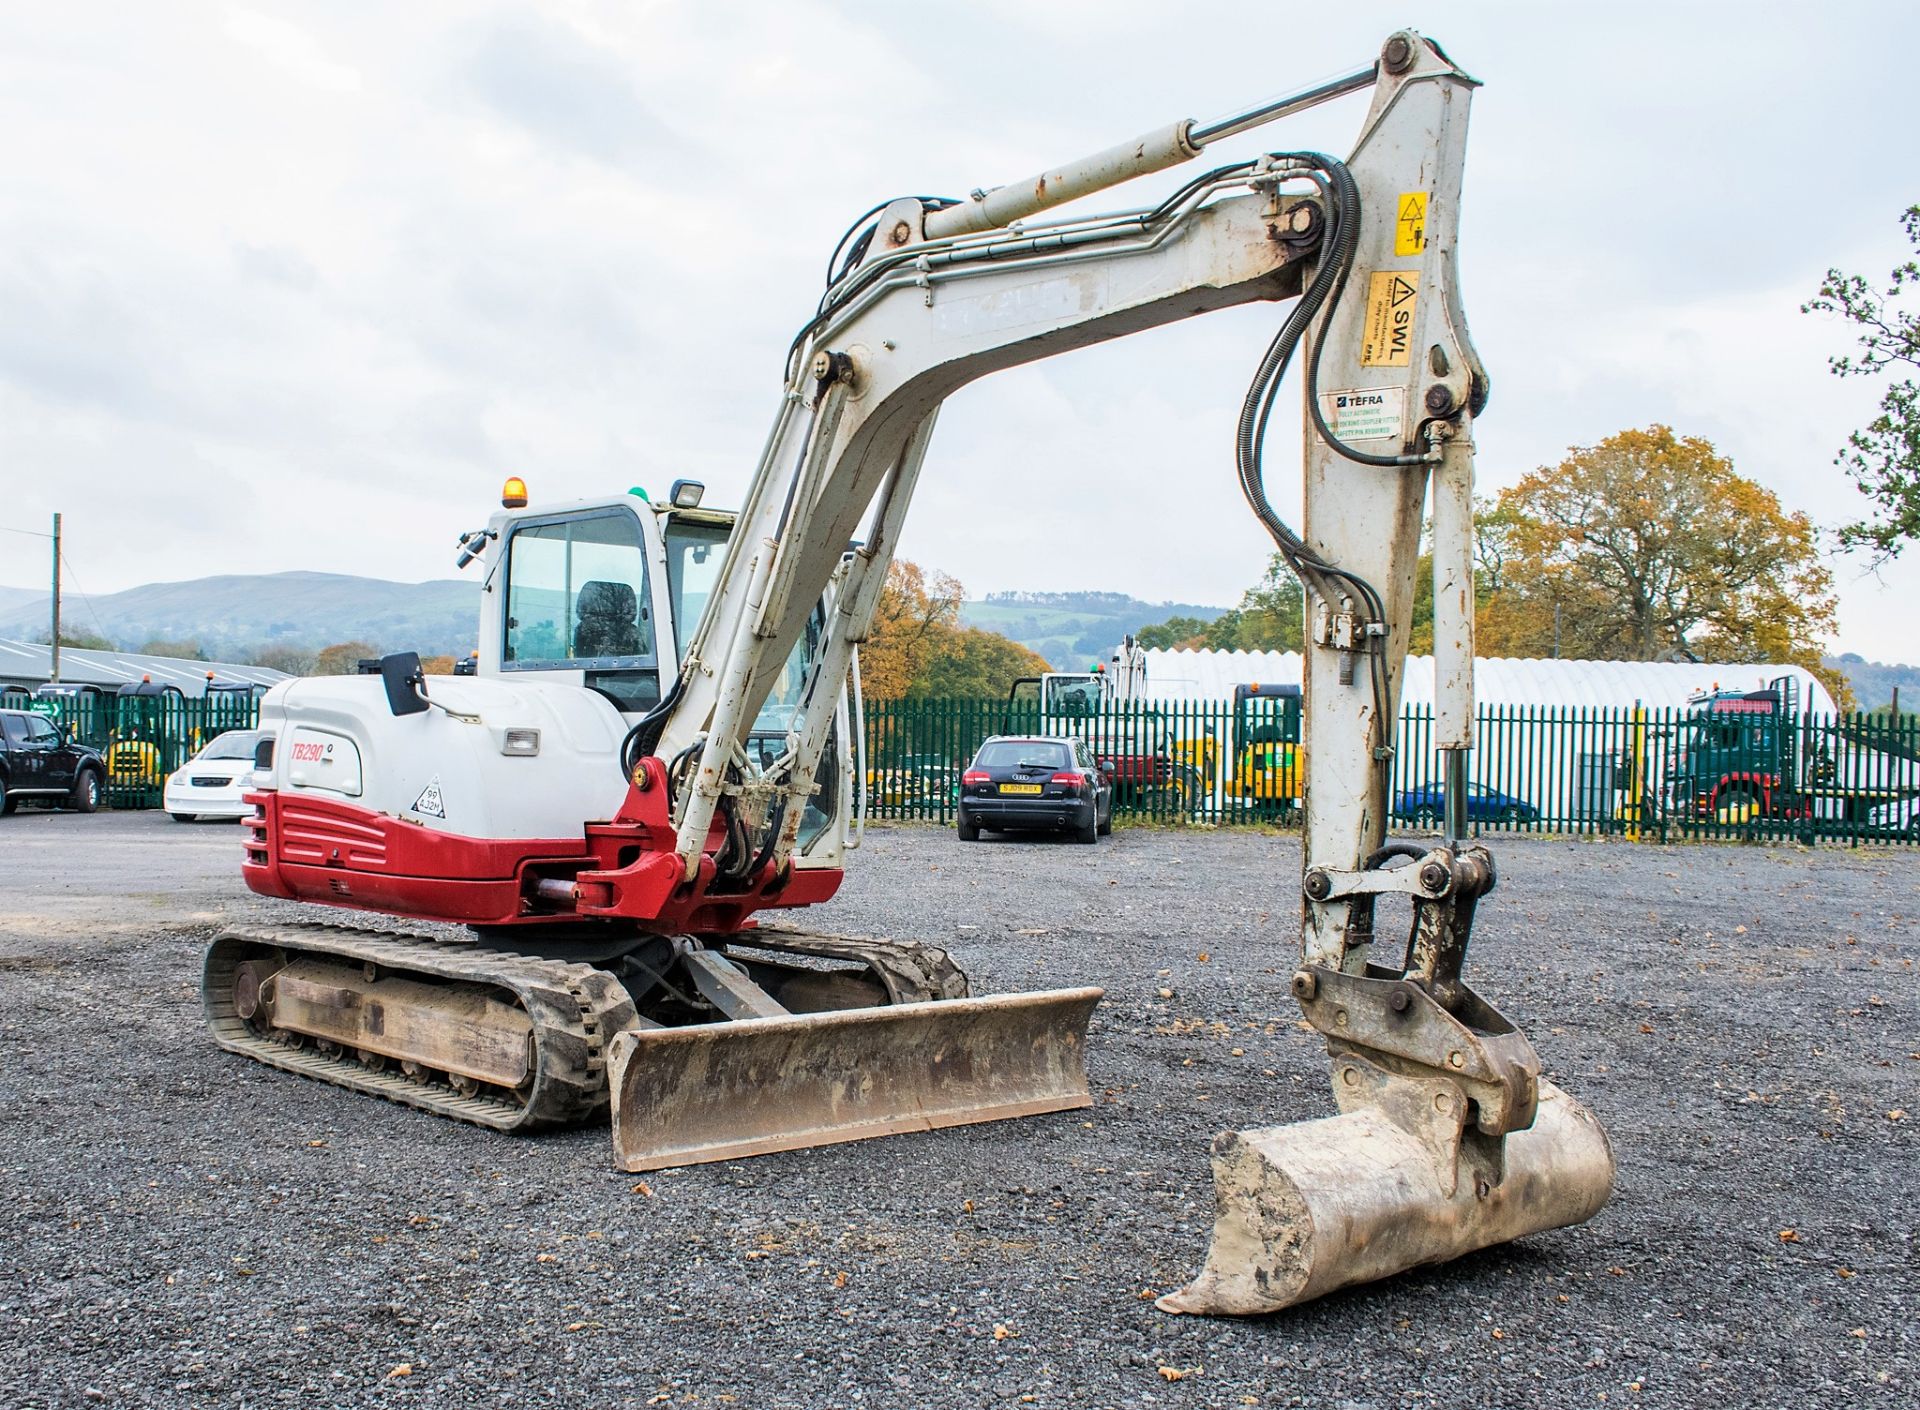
[[1020, 788]]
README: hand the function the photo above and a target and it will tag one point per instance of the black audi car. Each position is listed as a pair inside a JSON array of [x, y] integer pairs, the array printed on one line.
[[1024, 781]]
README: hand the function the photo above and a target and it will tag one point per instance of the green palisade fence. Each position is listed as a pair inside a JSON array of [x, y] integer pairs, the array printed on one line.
[[1643, 774], [145, 738], [1630, 772]]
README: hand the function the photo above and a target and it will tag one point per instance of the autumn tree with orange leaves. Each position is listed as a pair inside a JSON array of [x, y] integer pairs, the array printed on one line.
[[1650, 543], [917, 647]]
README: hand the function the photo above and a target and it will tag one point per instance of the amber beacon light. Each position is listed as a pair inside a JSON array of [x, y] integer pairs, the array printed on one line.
[[513, 494]]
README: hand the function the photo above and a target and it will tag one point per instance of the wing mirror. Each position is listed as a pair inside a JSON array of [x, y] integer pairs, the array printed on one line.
[[1106, 767], [405, 683]]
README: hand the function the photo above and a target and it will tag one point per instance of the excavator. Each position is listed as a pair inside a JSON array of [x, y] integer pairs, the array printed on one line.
[[659, 752]]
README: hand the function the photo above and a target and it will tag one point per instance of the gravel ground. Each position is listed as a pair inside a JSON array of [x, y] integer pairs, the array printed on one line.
[[183, 1228]]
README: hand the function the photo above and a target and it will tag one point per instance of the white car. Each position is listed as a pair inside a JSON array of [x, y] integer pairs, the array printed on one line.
[[1900, 816], [210, 784]]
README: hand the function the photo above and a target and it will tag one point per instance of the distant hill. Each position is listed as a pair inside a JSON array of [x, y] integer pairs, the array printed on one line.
[[1073, 629], [12, 598], [233, 613], [1874, 682]]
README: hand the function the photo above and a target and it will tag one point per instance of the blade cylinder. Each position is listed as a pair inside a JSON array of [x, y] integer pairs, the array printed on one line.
[[1305, 1209]]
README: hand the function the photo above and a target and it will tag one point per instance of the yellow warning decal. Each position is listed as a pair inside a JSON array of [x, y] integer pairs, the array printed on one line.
[[1392, 297], [1410, 224]]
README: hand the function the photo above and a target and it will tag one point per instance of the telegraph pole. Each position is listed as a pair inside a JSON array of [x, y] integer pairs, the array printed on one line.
[[54, 673]]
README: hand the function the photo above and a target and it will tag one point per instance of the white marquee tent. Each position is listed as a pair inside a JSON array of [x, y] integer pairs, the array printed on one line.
[[1552, 733], [1212, 675]]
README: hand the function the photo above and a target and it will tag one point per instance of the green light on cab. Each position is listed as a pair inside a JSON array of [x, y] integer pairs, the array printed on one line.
[[642, 493]]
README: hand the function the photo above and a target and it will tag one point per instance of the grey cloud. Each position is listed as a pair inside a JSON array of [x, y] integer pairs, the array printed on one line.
[[559, 88], [276, 265], [68, 336]]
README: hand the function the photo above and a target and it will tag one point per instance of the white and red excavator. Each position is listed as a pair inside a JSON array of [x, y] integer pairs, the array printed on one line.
[[657, 755]]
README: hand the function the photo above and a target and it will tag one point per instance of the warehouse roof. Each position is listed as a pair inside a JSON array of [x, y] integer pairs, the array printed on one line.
[[29, 663], [1498, 680]]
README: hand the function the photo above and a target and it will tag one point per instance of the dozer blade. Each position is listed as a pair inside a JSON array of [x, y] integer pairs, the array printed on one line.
[[1305, 1209], [721, 1091]]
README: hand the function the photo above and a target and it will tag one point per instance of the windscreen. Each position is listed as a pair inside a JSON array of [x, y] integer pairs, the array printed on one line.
[[577, 591], [1074, 696], [235, 744], [1011, 753]]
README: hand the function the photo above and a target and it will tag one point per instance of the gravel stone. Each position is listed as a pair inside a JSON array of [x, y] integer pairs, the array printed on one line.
[[184, 1228]]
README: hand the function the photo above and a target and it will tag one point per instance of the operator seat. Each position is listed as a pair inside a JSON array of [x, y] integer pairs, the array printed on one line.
[[608, 623]]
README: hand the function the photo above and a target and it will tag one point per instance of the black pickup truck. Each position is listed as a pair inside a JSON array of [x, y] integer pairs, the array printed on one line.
[[40, 764]]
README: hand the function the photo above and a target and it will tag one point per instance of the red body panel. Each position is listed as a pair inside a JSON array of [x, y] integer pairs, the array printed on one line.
[[335, 853]]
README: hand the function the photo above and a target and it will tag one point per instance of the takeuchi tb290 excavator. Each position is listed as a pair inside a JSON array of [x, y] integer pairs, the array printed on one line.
[[657, 754]]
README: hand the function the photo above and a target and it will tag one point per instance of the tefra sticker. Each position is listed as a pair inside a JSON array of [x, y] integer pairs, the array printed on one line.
[[1365, 413], [1392, 297], [430, 803], [1410, 224]]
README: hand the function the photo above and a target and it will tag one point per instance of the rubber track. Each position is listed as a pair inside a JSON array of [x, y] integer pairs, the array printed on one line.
[[912, 973], [575, 1008]]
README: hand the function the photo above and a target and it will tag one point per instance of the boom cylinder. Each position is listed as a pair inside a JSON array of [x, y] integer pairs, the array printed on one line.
[[991, 210]]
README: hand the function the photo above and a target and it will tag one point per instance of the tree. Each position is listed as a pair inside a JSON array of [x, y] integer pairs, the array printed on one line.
[[916, 613], [1650, 543], [917, 648], [294, 660], [973, 664], [342, 658], [81, 641], [1271, 617], [1172, 633], [1884, 458], [189, 650], [436, 665]]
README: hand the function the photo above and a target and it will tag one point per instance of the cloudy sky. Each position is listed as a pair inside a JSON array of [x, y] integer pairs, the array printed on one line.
[[295, 286]]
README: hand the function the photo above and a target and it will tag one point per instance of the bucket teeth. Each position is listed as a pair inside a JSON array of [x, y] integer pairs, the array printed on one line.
[[1304, 1209]]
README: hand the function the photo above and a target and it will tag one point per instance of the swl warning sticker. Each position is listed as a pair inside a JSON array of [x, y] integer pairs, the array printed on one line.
[[1392, 297], [1410, 224], [430, 803], [1365, 414]]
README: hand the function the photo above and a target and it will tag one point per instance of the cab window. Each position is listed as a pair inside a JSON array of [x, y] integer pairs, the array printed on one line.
[[577, 593], [577, 600], [695, 554], [1073, 696]]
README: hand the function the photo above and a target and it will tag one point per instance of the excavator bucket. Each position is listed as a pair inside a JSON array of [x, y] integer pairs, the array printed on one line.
[[721, 1091], [1302, 1210]]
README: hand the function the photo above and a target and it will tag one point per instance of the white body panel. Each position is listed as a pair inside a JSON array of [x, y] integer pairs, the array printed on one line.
[[406, 762]]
